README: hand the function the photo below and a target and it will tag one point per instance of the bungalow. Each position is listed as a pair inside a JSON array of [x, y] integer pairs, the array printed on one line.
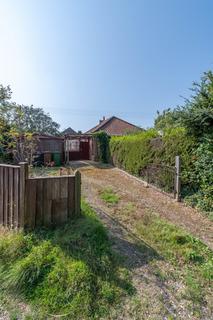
[[84, 146], [114, 126], [75, 146]]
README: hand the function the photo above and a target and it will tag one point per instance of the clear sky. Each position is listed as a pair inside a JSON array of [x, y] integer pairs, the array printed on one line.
[[84, 59]]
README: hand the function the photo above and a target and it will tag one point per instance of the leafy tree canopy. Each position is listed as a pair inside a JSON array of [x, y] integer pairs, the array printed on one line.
[[196, 115], [25, 119]]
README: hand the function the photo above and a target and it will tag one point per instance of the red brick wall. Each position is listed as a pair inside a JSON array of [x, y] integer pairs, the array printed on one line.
[[118, 127]]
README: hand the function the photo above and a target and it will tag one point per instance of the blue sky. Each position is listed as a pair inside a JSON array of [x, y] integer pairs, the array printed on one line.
[[81, 60]]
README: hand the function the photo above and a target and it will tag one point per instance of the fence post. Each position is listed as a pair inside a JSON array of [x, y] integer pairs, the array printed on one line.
[[77, 192], [177, 180], [23, 178]]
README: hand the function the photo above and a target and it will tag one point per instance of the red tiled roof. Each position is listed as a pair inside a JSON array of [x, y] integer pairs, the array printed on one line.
[[114, 126]]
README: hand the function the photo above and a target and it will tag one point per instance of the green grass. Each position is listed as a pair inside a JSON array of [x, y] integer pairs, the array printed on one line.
[[187, 253], [109, 196], [70, 271]]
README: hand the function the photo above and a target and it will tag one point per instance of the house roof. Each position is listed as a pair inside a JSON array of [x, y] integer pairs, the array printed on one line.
[[118, 128], [69, 131], [47, 136]]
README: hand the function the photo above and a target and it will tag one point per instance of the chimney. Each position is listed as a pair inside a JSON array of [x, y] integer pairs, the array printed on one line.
[[100, 121]]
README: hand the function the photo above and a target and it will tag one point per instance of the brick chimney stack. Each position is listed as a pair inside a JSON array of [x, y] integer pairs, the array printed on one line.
[[100, 121]]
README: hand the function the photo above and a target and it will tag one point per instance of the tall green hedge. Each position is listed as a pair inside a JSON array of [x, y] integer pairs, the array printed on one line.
[[134, 152]]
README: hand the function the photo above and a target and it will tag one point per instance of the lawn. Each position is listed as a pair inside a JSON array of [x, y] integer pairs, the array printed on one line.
[[70, 271]]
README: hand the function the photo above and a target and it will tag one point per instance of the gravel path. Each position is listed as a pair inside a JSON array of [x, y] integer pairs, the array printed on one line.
[[160, 287], [134, 191]]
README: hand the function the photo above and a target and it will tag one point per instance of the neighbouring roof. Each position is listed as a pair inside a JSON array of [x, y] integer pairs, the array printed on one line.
[[47, 136], [69, 131], [114, 126]]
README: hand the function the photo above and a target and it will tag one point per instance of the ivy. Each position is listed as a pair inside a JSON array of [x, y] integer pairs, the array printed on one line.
[[103, 139]]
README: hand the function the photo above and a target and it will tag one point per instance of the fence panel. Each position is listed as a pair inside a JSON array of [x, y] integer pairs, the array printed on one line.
[[48, 201], [41, 201]]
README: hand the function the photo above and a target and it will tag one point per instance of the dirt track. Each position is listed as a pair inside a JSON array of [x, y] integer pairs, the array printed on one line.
[[131, 190], [160, 286]]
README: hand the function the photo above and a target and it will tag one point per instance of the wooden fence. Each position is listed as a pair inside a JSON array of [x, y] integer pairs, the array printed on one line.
[[42, 201]]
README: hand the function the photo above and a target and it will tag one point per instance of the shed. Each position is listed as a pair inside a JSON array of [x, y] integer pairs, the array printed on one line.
[[49, 149]]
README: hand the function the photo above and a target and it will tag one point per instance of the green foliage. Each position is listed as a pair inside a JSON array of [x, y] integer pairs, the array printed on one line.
[[133, 152], [109, 196], [34, 120], [202, 176], [103, 146], [166, 120], [186, 131], [17, 125], [183, 250], [196, 115], [68, 271]]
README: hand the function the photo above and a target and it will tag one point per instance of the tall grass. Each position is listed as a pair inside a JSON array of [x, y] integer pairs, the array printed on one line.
[[69, 271]]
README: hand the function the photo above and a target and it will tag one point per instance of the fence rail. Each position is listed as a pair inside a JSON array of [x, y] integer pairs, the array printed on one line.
[[41, 201]]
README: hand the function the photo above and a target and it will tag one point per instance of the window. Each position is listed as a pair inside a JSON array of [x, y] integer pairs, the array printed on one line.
[[72, 145], [75, 145]]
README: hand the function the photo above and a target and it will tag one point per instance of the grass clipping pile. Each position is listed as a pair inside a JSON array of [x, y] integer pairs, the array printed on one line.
[[70, 271]]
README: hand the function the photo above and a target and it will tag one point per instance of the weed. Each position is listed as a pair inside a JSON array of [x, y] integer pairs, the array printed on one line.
[[129, 208], [109, 196]]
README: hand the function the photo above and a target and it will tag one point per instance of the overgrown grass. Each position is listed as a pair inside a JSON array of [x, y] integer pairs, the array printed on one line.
[[109, 196], [186, 253], [70, 271]]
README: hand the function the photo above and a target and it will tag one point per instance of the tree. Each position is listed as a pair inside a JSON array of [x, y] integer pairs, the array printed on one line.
[[167, 119], [17, 125], [31, 120], [25, 118], [196, 115]]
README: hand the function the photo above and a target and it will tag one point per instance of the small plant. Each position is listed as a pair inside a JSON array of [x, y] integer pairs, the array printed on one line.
[[109, 196]]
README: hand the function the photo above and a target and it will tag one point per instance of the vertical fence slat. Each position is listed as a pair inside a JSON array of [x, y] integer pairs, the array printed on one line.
[[30, 203], [10, 198], [47, 204], [77, 192], [71, 197], [5, 188], [1, 196], [16, 197], [22, 193], [39, 202]]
